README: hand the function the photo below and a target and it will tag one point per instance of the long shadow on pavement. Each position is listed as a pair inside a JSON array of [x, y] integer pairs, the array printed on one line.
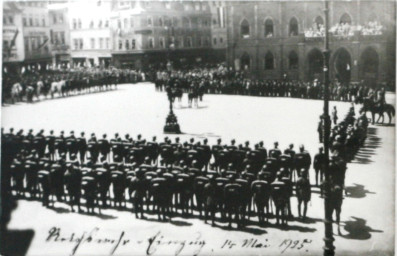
[[369, 149], [357, 191], [358, 230]]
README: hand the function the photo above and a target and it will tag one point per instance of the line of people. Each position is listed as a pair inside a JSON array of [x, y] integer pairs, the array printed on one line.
[[32, 84], [169, 177], [220, 80]]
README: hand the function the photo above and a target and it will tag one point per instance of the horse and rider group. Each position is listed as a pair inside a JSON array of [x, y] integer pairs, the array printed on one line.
[[198, 81], [230, 181], [32, 85]]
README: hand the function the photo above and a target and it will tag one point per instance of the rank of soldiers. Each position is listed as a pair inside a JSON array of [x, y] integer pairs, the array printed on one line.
[[171, 177]]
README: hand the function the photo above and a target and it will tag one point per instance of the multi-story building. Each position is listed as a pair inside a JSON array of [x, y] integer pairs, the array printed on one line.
[[89, 26], [218, 29], [285, 38], [59, 34], [157, 33], [26, 35]]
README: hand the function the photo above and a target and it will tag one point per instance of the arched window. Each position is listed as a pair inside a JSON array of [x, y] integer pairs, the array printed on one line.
[[293, 60], [318, 22], [345, 19], [269, 61], [293, 27], [245, 29], [268, 28]]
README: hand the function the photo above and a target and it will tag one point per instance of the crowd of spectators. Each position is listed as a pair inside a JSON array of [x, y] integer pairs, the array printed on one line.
[[345, 29]]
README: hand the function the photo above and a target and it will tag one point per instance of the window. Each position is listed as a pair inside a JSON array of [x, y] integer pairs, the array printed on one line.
[[106, 23], [62, 35], [149, 21], [10, 20], [185, 22], [221, 40], [100, 24], [125, 23], [119, 23], [54, 19], [293, 27], [160, 22], [269, 61], [345, 19], [174, 21], [161, 42], [268, 28], [199, 42], [199, 23], [127, 44], [76, 44], [245, 62], [318, 22], [133, 44], [43, 22], [4, 20], [26, 44], [79, 23], [189, 42], [24, 21], [36, 22], [293, 60], [214, 22], [245, 29], [107, 43], [74, 24], [91, 24], [120, 45], [81, 44], [60, 19], [92, 43], [100, 43], [151, 43], [31, 21], [206, 41], [131, 22], [181, 41], [214, 41], [33, 41]]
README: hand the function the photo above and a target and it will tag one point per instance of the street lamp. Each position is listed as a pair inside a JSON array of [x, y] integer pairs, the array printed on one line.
[[171, 122], [329, 249]]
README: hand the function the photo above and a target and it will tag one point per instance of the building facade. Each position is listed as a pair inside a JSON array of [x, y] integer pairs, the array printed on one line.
[[59, 34], [285, 39], [218, 29], [26, 35], [159, 33], [89, 26]]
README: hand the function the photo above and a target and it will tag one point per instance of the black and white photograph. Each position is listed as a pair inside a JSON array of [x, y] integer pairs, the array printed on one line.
[[198, 127]]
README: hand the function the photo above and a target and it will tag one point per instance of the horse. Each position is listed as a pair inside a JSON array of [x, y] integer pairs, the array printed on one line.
[[193, 97], [370, 105], [58, 87], [16, 92]]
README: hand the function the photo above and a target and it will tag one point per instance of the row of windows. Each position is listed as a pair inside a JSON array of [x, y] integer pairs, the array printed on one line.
[[34, 21], [269, 61], [163, 43], [32, 3], [95, 43], [215, 41], [77, 24], [8, 20], [58, 38], [165, 22], [188, 6], [36, 43], [293, 25], [57, 18]]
